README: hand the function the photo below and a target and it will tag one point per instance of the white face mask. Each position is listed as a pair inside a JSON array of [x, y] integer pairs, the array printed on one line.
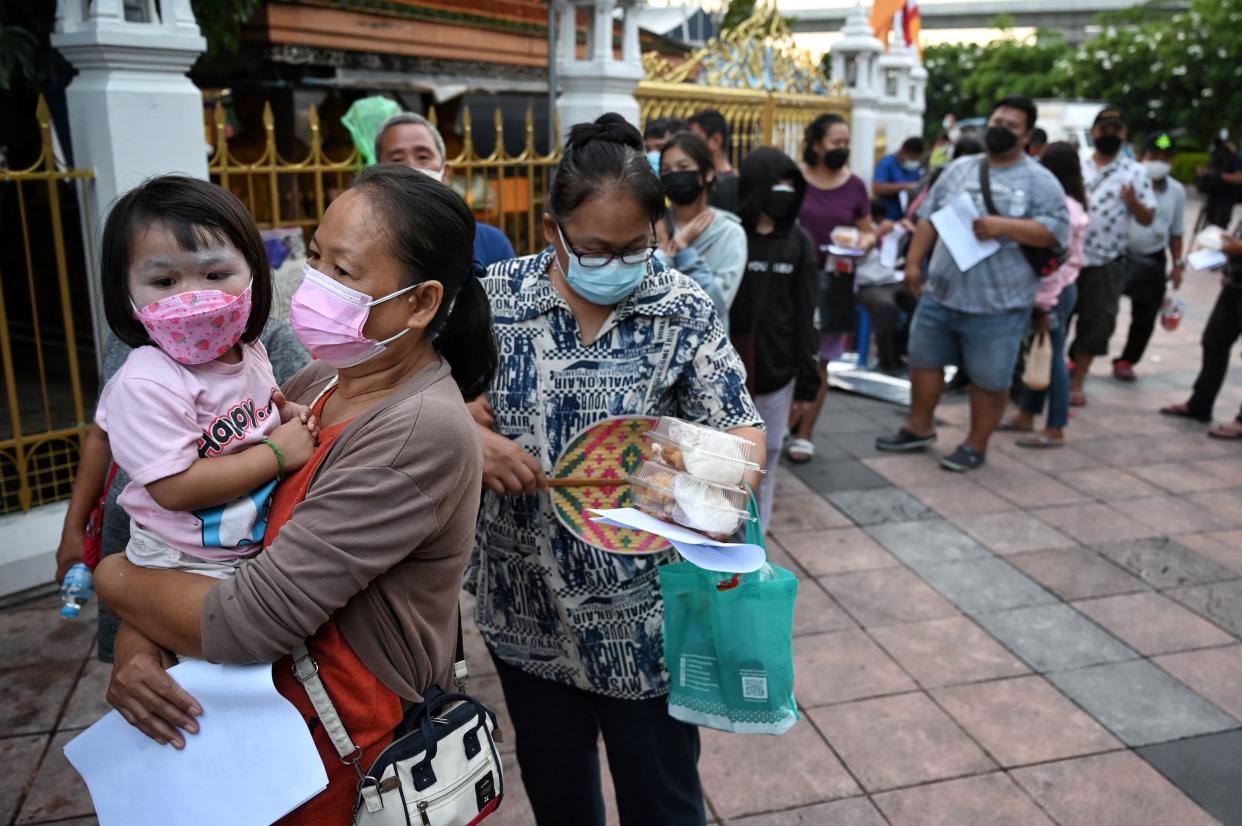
[[1157, 170], [434, 174]]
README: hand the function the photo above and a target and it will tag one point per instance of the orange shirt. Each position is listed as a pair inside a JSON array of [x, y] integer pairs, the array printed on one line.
[[369, 710]]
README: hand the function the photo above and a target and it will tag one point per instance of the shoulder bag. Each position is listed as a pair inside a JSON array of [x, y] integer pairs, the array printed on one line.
[[92, 541], [442, 767], [1044, 261]]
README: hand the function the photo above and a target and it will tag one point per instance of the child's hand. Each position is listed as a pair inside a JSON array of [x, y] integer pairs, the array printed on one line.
[[296, 441], [289, 411]]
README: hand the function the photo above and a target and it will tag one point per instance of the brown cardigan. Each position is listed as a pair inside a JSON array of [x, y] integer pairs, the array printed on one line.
[[379, 543]]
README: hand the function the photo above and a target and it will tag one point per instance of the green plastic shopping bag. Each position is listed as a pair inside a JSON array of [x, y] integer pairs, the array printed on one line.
[[364, 119], [728, 642]]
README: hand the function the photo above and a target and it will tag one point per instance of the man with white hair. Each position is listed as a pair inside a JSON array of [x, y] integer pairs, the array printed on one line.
[[413, 141]]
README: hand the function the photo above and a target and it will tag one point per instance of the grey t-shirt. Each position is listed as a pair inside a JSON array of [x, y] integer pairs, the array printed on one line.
[[1003, 281], [287, 356]]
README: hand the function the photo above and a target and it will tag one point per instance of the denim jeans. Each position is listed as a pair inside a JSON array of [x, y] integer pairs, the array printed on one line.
[[1057, 393]]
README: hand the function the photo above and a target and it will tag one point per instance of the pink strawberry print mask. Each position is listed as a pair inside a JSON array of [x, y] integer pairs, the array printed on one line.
[[197, 326]]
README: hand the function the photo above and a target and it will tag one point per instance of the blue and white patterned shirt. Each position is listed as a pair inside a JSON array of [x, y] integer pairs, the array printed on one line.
[[547, 602]]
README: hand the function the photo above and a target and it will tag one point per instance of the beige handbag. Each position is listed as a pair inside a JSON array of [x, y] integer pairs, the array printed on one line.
[[1038, 373]]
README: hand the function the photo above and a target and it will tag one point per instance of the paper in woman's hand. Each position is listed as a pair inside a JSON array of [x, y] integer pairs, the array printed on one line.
[[252, 762], [706, 553]]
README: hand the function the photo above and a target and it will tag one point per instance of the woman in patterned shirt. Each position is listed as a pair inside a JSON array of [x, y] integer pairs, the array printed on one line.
[[590, 328]]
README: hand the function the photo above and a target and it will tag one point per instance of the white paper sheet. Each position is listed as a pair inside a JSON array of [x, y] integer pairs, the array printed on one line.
[[903, 198], [890, 246], [954, 222], [1207, 259], [729, 557], [252, 762]]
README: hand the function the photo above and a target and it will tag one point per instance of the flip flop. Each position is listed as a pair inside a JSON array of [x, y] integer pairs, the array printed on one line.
[[805, 447], [1181, 411], [1078, 399], [1233, 430], [1010, 426], [1038, 441]]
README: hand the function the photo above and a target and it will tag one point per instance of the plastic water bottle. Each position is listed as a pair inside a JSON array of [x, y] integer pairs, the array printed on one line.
[[1171, 313], [76, 590]]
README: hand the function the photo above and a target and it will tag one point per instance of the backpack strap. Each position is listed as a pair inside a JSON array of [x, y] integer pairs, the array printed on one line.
[[985, 187]]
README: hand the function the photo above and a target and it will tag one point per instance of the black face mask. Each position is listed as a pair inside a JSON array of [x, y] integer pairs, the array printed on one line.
[[836, 158], [779, 204], [1108, 145], [683, 187], [999, 140]]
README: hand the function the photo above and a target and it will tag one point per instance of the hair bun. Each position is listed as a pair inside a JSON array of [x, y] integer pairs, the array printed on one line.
[[609, 128]]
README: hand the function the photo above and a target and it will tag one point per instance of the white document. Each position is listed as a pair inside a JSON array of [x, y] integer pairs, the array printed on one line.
[[252, 762], [890, 246], [903, 198], [729, 557], [954, 223], [1207, 259]]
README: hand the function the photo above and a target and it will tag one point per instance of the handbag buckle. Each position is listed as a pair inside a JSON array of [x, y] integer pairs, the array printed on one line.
[[355, 760], [300, 675]]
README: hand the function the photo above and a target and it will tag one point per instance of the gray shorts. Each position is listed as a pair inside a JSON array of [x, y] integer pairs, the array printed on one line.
[[148, 550], [1099, 300]]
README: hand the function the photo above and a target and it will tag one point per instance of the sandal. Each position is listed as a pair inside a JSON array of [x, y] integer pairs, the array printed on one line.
[[1078, 398], [1232, 430], [1183, 411], [1010, 426], [800, 451], [1039, 441]]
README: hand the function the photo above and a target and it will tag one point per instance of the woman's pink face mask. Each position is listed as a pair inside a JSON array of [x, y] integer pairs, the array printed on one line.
[[328, 318]]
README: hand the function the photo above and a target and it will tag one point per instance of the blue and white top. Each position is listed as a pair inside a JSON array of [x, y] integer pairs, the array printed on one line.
[[547, 602]]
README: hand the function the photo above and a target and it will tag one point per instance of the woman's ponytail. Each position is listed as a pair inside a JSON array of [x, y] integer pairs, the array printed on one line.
[[466, 339]]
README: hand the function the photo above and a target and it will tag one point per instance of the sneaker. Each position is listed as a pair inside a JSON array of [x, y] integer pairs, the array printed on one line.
[[903, 440], [1123, 370], [963, 459]]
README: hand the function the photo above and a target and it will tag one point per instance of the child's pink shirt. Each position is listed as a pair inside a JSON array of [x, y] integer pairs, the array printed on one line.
[[162, 416]]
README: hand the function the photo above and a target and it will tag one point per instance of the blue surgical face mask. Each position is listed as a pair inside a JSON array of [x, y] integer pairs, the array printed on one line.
[[913, 166], [606, 285], [653, 158]]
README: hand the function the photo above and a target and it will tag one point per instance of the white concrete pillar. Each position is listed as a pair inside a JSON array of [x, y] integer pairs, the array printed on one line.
[[133, 113], [602, 82], [918, 94], [894, 105], [854, 59]]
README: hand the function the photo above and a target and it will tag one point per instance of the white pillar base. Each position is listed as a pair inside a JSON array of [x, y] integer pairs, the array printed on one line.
[[28, 544]]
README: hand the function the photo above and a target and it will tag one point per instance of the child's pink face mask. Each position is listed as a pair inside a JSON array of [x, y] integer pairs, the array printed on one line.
[[196, 326]]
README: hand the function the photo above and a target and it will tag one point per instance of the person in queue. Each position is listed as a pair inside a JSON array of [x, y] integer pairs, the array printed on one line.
[[897, 177], [366, 544], [700, 241], [712, 127], [835, 197], [592, 327], [978, 318], [412, 140]]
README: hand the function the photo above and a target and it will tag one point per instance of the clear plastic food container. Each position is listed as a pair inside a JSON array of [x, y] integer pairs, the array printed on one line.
[[702, 506], [704, 453]]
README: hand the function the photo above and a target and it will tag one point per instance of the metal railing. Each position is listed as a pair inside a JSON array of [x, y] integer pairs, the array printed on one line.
[[43, 303], [506, 190]]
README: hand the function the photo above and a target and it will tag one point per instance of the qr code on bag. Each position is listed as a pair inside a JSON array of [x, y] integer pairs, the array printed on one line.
[[755, 686]]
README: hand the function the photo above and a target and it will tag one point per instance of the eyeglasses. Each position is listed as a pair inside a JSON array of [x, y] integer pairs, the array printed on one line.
[[595, 260]]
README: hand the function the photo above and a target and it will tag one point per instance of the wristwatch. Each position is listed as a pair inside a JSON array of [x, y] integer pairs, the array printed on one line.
[[1179, 264]]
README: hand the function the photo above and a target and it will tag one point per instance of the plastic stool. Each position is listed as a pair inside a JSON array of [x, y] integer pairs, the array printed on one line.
[[862, 335]]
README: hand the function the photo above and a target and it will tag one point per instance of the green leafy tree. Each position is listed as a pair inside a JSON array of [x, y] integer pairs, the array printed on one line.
[[739, 12], [947, 66], [220, 22]]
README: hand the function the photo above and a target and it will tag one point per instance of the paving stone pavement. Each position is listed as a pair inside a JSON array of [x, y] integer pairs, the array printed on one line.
[[1051, 639]]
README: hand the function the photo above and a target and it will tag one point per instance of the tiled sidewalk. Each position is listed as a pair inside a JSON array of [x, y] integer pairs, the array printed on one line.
[[1052, 639]]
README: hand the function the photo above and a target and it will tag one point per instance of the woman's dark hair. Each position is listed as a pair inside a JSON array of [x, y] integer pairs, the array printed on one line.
[[815, 134], [198, 214], [432, 234], [1061, 159], [696, 149], [601, 156]]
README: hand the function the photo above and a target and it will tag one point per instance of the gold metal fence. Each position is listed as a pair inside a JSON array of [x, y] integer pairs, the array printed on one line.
[[506, 190], [756, 118], [43, 303]]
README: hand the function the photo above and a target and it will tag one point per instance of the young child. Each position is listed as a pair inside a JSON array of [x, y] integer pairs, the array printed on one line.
[[193, 416], [877, 281]]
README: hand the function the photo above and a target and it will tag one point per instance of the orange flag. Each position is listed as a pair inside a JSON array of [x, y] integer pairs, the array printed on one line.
[[882, 14]]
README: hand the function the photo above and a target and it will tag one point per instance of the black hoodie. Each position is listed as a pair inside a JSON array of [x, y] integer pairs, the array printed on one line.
[[772, 319]]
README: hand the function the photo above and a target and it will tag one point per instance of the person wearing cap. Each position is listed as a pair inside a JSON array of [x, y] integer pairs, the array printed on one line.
[[412, 140], [1119, 193], [1147, 263]]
